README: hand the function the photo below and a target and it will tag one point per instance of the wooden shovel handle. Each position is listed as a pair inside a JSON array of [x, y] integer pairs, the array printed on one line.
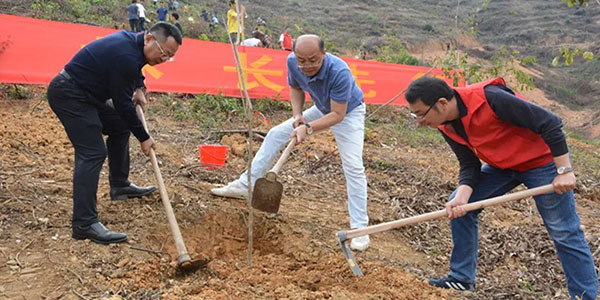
[[284, 156], [183, 254], [442, 213]]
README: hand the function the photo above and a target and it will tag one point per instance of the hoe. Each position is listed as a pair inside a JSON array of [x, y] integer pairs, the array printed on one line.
[[184, 262], [343, 236]]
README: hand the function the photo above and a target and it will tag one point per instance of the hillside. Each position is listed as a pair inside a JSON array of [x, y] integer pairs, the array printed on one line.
[[540, 28]]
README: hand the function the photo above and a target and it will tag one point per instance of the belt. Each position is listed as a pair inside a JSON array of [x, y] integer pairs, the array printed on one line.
[[65, 74]]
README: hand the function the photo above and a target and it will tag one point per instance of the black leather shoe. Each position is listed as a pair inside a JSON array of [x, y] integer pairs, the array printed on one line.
[[98, 233], [131, 191]]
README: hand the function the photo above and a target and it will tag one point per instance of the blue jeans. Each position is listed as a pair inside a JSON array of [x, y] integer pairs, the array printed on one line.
[[560, 218]]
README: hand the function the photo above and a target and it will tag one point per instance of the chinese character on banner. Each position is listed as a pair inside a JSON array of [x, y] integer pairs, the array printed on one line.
[[360, 82], [259, 74], [154, 72]]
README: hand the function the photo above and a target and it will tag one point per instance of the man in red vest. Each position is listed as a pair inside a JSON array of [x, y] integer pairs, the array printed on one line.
[[519, 143], [285, 40]]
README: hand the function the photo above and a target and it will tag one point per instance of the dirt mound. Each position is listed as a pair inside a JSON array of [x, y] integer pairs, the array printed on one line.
[[291, 266]]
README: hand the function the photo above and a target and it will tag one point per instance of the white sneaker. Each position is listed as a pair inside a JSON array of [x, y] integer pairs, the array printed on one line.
[[360, 243], [233, 189]]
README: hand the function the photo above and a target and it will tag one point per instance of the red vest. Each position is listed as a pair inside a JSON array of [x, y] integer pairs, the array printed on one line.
[[494, 141], [287, 41]]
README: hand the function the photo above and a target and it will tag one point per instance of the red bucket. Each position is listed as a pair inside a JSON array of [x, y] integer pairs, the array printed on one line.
[[213, 156]]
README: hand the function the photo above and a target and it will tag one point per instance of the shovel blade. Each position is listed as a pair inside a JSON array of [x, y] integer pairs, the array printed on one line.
[[193, 265], [267, 195]]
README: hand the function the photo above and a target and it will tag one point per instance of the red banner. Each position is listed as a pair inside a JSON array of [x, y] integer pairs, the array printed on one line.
[[33, 51]]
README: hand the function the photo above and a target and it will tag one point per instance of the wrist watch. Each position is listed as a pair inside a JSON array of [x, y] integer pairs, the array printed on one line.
[[309, 129], [563, 170]]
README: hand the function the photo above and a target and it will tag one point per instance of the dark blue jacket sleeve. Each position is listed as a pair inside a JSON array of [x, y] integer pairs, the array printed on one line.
[[140, 84], [123, 79]]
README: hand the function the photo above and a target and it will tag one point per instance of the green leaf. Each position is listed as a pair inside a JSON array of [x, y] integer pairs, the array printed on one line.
[[569, 61], [555, 61], [588, 55]]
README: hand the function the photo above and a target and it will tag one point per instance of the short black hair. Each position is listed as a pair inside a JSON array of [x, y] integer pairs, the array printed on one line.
[[231, 2], [175, 15], [321, 44], [428, 90], [164, 30]]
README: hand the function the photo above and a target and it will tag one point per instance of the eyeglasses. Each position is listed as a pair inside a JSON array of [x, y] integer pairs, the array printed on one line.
[[163, 55], [308, 64], [414, 116]]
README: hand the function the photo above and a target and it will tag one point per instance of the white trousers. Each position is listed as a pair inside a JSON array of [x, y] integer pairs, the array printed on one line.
[[349, 136]]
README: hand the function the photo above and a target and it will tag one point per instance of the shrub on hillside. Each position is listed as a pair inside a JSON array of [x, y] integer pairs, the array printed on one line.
[[194, 30], [395, 52]]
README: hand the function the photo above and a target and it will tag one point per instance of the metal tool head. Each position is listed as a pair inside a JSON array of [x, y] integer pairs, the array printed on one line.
[[186, 265], [342, 239], [267, 193]]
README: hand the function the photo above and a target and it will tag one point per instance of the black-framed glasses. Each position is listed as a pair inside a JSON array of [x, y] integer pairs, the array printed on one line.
[[425, 113]]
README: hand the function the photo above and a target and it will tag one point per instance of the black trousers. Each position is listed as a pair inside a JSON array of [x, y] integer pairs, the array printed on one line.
[[86, 121], [141, 22], [133, 23]]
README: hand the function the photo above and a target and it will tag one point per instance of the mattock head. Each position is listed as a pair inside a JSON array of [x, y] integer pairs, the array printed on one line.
[[343, 240]]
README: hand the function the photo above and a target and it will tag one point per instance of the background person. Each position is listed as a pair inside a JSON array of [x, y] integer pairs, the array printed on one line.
[[132, 11], [215, 19], [286, 40], [162, 12], [175, 21], [233, 29], [254, 41], [205, 16], [141, 17]]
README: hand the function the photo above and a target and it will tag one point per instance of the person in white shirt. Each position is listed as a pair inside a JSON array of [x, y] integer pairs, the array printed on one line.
[[141, 16], [254, 41]]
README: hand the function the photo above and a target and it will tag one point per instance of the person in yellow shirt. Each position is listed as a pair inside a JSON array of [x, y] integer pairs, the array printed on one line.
[[232, 21]]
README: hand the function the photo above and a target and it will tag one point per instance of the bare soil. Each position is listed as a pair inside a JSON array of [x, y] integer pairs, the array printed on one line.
[[295, 255]]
